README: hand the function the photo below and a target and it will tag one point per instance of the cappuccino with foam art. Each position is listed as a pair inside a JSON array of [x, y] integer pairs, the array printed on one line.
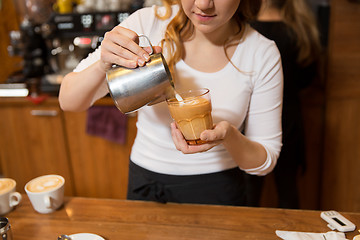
[[9, 198], [6, 184], [45, 183], [46, 193]]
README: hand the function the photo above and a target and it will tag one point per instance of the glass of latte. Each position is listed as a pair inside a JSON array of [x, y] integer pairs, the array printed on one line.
[[9, 198], [46, 193], [191, 111]]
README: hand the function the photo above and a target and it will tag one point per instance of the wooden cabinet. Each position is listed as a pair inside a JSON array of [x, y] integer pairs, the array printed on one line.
[[100, 167], [309, 181], [32, 142], [41, 139]]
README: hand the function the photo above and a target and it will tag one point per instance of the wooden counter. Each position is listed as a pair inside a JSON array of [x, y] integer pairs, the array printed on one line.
[[121, 219]]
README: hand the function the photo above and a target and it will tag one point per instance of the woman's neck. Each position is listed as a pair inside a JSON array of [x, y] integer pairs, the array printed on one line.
[[207, 54], [219, 36], [204, 51]]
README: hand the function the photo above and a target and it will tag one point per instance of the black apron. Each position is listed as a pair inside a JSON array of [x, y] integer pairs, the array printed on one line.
[[221, 188]]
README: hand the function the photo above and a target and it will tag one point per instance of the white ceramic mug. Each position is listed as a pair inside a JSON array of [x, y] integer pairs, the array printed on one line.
[[46, 193], [9, 198]]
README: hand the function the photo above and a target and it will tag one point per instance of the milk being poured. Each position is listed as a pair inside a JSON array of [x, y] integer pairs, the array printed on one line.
[[178, 97]]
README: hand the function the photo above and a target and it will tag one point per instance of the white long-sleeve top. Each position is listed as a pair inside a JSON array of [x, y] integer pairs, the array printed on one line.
[[250, 99]]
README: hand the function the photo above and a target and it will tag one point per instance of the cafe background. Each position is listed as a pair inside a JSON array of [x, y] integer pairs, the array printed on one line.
[[37, 138]]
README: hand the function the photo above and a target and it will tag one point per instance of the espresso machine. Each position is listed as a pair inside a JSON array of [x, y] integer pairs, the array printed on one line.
[[28, 42], [53, 43], [71, 37]]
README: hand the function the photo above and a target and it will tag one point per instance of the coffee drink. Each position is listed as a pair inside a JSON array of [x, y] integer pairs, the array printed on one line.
[[44, 184], [9, 198], [46, 193], [6, 184], [192, 114]]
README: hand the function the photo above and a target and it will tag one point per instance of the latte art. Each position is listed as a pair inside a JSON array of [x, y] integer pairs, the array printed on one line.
[[6, 185], [44, 184]]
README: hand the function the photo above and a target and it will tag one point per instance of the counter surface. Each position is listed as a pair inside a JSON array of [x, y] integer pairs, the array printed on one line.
[[121, 219]]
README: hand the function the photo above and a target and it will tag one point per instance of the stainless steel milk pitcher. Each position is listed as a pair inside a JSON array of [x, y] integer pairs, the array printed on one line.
[[5, 229], [134, 88]]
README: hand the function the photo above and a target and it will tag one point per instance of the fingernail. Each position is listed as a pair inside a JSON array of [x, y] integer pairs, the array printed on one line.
[[147, 57], [141, 62]]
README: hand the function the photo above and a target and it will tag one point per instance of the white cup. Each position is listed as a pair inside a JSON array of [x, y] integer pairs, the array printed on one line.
[[9, 198], [46, 193]]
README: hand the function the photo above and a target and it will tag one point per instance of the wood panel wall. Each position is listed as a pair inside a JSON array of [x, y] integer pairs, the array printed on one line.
[[341, 162], [309, 180]]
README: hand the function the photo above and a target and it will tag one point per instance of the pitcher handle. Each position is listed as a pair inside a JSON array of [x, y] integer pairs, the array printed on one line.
[[148, 40]]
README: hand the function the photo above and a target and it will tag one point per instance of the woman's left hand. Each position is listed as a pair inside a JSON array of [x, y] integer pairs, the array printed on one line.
[[212, 137]]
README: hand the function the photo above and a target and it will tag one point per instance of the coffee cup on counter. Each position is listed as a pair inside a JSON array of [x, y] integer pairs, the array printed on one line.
[[9, 198], [46, 193]]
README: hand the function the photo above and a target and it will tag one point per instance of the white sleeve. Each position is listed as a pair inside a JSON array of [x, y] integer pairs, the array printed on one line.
[[89, 60], [263, 123]]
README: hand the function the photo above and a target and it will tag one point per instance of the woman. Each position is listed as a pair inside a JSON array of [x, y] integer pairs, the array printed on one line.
[[292, 26], [207, 45]]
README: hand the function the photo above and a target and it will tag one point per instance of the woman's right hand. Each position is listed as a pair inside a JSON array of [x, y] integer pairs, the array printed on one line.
[[121, 47]]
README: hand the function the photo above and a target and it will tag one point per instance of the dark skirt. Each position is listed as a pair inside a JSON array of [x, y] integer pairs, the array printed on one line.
[[221, 188]]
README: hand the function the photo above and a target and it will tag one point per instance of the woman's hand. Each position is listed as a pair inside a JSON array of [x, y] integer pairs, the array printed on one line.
[[212, 137], [120, 46], [246, 153]]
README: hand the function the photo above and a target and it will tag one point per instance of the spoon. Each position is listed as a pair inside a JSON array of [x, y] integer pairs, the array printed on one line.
[[64, 237]]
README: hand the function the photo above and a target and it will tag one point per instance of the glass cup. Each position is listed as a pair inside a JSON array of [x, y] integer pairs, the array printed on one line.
[[192, 113]]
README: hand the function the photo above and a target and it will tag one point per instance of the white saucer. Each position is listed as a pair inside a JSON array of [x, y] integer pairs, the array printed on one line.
[[85, 236]]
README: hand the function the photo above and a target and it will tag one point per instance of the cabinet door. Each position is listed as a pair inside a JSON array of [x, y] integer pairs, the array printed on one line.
[[100, 167], [32, 143]]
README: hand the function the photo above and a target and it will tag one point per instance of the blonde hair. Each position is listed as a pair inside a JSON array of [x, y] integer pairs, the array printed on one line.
[[300, 18], [180, 27]]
